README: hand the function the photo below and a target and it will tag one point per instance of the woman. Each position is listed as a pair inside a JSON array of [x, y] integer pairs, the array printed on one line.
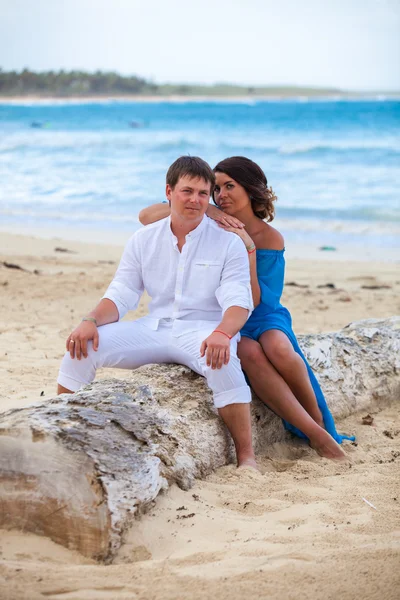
[[270, 355]]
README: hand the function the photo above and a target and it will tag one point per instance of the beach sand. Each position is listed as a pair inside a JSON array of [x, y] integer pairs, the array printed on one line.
[[299, 528]]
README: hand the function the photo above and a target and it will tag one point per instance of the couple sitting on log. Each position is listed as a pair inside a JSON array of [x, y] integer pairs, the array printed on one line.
[[205, 276]]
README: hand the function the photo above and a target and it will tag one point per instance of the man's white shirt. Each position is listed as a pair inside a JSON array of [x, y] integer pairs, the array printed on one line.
[[200, 283]]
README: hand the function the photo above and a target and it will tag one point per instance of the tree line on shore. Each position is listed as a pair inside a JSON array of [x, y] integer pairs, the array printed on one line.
[[101, 83]]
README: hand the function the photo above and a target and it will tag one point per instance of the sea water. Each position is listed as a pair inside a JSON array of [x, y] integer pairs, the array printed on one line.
[[334, 164]]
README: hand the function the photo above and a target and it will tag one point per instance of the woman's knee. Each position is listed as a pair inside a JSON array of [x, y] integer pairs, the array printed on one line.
[[251, 354], [280, 352]]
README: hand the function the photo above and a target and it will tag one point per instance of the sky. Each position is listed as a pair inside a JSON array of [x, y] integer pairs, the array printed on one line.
[[346, 44]]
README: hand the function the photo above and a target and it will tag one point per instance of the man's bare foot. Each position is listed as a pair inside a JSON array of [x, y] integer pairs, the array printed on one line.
[[248, 463], [327, 447]]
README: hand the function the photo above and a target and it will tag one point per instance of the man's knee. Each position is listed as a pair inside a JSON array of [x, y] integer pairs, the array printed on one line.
[[225, 372], [228, 384], [88, 361], [75, 373]]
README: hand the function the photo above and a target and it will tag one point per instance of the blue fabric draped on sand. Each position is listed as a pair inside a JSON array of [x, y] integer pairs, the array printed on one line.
[[270, 314]]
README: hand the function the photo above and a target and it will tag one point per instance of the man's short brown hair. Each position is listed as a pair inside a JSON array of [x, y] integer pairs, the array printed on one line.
[[194, 167]]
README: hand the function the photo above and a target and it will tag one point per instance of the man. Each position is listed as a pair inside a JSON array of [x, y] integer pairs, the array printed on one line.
[[198, 278]]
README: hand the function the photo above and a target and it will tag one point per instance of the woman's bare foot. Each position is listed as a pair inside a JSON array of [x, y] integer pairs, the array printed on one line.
[[326, 446]]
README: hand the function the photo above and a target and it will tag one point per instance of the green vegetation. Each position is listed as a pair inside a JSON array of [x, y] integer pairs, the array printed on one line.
[[72, 83], [64, 84]]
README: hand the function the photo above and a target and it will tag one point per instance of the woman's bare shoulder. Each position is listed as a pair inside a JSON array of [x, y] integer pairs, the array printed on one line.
[[269, 238]]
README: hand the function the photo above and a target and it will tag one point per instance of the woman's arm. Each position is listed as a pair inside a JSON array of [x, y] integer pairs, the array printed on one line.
[[255, 286], [154, 213], [250, 247]]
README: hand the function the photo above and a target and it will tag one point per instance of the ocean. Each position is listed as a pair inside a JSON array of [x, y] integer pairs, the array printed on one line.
[[334, 164]]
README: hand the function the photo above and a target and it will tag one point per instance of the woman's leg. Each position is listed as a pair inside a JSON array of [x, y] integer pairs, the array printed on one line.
[[272, 389], [290, 365]]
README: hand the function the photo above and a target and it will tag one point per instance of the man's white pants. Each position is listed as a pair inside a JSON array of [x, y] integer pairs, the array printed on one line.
[[131, 344]]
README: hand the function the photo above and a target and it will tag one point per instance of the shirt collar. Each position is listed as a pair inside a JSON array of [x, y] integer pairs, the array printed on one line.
[[193, 234]]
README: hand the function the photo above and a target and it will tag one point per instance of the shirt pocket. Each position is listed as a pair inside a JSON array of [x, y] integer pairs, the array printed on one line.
[[206, 277]]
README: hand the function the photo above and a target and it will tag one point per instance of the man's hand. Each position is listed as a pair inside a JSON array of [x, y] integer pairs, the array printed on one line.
[[78, 340], [216, 348], [220, 217]]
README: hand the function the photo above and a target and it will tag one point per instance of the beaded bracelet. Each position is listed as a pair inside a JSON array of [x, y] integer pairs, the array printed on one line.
[[251, 248], [251, 251], [223, 333], [91, 319]]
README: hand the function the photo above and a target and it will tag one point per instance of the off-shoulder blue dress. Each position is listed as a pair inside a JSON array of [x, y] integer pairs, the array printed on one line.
[[270, 314]]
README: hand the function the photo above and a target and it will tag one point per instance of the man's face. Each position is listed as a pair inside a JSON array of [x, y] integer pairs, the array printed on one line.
[[189, 199]]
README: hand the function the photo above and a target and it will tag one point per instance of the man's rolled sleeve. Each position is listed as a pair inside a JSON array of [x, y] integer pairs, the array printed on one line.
[[126, 288], [235, 288], [234, 294]]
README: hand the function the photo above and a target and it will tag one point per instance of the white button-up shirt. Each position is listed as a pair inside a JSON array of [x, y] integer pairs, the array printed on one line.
[[200, 283]]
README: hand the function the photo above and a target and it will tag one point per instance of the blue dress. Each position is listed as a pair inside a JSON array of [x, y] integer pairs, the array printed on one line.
[[270, 314]]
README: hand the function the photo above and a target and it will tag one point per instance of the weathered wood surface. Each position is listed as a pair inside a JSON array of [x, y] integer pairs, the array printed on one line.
[[78, 468]]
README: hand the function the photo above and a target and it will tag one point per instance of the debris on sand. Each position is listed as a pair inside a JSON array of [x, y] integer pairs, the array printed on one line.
[[65, 250], [367, 420], [294, 284], [12, 266], [376, 287]]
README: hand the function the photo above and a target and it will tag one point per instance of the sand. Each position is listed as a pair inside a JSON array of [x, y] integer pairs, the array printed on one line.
[[299, 528]]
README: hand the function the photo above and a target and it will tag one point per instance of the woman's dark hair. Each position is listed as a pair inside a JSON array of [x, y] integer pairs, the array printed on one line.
[[249, 175]]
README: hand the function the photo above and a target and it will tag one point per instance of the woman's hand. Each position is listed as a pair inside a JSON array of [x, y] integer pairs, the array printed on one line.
[[78, 340], [222, 218], [242, 233]]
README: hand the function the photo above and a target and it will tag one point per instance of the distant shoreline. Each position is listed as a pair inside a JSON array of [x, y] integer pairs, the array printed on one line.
[[179, 99], [19, 236], [107, 86]]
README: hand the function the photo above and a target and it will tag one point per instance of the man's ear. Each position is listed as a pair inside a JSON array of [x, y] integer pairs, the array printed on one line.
[[168, 190]]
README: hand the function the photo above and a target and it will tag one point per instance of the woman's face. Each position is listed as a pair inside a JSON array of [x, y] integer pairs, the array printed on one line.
[[229, 195]]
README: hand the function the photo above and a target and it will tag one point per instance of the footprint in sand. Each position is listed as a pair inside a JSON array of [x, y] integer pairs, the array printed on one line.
[[278, 466]]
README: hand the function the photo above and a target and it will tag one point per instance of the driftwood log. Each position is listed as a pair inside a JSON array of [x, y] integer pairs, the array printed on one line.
[[78, 468]]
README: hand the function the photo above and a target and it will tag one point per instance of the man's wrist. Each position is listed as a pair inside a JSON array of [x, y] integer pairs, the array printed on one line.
[[91, 319], [223, 333]]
